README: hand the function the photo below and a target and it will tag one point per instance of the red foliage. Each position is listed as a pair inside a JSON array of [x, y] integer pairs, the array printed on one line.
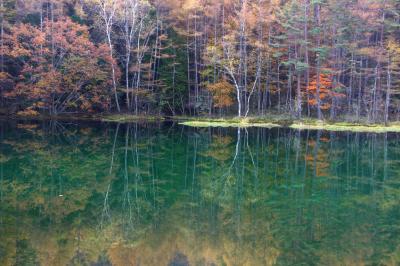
[[62, 69]]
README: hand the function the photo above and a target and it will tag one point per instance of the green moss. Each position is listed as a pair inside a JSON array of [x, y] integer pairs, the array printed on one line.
[[306, 124], [342, 126], [228, 123]]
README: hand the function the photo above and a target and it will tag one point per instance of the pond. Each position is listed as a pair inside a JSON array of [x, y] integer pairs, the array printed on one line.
[[85, 193]]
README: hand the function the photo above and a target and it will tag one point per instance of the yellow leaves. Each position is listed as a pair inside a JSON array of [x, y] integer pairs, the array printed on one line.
[[27, 126], [85, 105], [222, 93], [28, 112], [366, 51], [4, 76], [163, 37], [39, 105], [190, 4], [220, 148], [393, 48]]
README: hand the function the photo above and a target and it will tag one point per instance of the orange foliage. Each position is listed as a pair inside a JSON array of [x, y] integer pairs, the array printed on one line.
[[222, 93], [62, 69], [326, 92], [318, 161]]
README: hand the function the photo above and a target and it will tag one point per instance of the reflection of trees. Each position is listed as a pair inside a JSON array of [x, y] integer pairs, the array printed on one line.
[[140, 194]]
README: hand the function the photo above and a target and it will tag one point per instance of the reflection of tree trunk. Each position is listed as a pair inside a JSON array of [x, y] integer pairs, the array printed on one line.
[[135, 158], [113, 149], [357, 144], [385, 160], [1, 168], [106, 209], [316, 153], [298, 150], [152, 170], [277, 154], [236, 151], [126, 197], [187, 163], [372, 152], [194, 165], [250, 153]]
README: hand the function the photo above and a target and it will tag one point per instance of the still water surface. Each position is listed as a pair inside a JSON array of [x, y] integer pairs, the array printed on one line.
[[162, 194]]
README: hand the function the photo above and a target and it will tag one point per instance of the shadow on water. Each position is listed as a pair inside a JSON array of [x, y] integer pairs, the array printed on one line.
[[162, 194]]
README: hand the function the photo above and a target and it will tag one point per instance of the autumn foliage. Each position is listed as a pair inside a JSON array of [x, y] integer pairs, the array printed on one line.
[[326, 92], [191, 57], [61, 69], [222, 93]]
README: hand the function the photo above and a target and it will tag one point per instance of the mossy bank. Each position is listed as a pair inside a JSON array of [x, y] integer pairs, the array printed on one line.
[[306, 124]]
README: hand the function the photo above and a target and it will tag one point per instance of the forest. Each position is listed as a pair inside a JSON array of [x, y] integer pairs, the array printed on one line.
[[323, 59]]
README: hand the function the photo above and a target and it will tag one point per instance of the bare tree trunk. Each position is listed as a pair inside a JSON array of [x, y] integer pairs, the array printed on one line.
[[359, 90], [107, 13], [188, 64], [388, 91], [279, 88], [351, 84], [53, 110], [128, 40], [306, 55], [318, 17], [196, 64], [1, 46], [242, 82], [114, 79], [2, 35], [298, 90], [373, 98]]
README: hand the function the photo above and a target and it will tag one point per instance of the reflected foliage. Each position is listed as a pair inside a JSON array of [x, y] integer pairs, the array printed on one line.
[[161, 194]]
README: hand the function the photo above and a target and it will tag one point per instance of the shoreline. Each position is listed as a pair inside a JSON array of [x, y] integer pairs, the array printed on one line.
[[202, 122]]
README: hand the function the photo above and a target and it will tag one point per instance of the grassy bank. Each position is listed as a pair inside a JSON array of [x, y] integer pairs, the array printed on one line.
[[233, 122], [127, 118], [344, 126]]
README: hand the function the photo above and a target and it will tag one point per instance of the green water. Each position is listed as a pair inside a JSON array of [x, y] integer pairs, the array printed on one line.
[[161, 194]]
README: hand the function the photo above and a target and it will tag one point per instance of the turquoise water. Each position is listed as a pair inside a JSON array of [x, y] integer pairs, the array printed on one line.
[[162, 194]]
